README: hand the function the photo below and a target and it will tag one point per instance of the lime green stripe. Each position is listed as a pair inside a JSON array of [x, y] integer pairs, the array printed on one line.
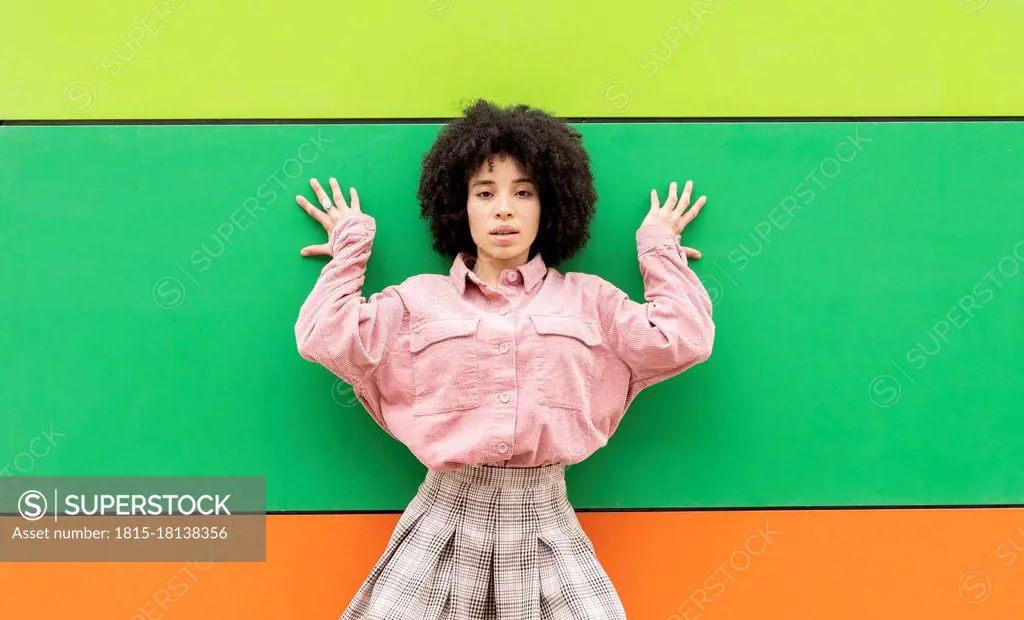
[[424, 58], [867, 280]]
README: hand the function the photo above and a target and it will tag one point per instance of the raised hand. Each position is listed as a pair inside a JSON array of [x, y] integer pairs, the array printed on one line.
[[674, 214], [333, 213]]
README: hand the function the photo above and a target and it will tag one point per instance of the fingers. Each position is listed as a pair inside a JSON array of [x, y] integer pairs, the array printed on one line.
[[321, 195], [322, 249], [655, 203], [692, 213], [672, 197], [339, 198], [691, 253], [684, 201], [316, 214], [330, 215]]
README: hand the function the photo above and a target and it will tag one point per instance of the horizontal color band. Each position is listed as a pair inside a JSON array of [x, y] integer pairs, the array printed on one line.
[[866, 280], [398, 58], [670, 566], [595, 120]]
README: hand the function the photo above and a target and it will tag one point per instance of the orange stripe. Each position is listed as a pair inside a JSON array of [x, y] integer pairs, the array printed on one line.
[[798, 565]]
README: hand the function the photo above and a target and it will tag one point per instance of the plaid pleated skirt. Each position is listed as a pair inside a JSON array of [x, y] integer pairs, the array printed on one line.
[[488, 543]]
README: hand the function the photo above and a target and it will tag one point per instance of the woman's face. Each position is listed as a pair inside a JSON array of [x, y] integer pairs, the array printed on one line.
[[504, 211]]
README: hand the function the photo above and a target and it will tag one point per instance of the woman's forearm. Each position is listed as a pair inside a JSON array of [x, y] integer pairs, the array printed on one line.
[[337, 327]]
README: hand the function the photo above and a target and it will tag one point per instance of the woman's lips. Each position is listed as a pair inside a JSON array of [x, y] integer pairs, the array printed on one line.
[[504, 238]]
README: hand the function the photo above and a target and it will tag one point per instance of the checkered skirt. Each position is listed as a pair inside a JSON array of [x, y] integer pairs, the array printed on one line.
[[488, 543]]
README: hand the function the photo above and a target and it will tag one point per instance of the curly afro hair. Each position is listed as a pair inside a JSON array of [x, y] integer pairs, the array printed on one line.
[[547, 148]]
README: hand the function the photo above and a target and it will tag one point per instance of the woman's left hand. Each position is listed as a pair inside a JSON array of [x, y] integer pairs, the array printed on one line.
[[674, 214]]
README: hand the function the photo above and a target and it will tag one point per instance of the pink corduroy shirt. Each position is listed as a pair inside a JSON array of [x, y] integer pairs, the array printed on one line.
[[538, 371]]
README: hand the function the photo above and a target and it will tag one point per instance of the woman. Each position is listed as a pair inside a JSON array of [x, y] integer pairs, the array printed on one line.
[[501, 373]]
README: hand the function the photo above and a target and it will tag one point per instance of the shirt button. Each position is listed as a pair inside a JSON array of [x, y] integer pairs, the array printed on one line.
[[503, 447], [504, 347], [504, 397], [503, 311], [512, 276]]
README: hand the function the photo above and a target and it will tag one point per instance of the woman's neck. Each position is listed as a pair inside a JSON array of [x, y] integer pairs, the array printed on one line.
[[489, 269]]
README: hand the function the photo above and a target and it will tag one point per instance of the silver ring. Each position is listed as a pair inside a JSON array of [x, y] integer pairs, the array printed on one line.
[[326, 204]]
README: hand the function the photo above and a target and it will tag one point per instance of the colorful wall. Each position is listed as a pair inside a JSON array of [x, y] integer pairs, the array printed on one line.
[[852, 449]]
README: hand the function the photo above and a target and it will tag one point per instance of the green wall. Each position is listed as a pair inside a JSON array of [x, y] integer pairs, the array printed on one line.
[[834, 253]]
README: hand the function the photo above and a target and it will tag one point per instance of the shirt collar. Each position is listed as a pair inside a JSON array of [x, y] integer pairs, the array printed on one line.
[[532, 272]]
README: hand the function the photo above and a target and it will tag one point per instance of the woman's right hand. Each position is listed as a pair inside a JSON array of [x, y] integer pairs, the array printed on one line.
[[333, 213]]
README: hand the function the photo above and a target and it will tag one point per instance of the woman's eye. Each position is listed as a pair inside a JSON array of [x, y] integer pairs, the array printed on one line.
[[525, 193], [484, 195]]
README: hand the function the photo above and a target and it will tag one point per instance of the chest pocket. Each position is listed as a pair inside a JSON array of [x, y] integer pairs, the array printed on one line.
[[565, 360], [445, 365]]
